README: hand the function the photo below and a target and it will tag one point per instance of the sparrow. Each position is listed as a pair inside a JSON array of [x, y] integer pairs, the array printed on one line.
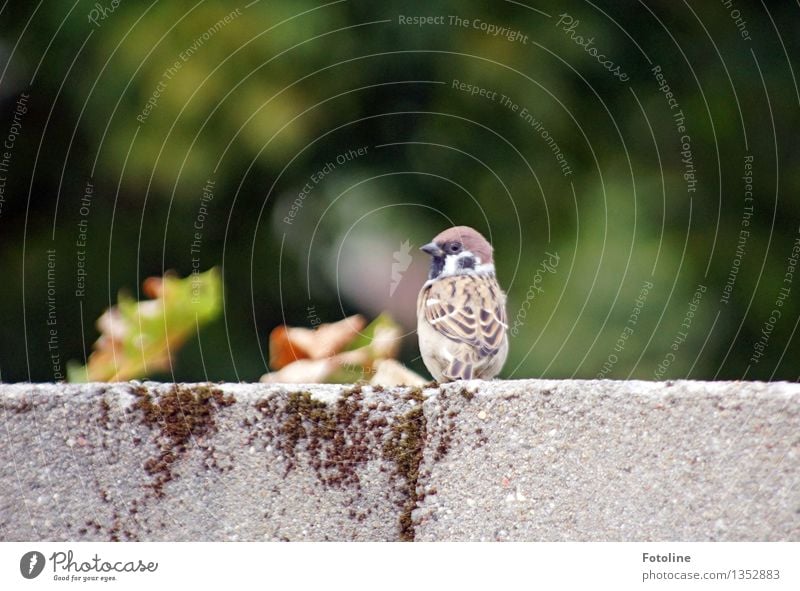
[[461, 310]]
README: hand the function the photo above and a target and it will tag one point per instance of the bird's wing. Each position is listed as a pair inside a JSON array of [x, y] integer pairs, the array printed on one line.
[[468, 309]]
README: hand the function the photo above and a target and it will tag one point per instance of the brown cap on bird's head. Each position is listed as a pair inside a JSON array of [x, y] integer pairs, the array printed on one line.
[[469, 238]]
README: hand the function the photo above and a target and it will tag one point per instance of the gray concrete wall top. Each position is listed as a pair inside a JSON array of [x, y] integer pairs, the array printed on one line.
[[532, 460]]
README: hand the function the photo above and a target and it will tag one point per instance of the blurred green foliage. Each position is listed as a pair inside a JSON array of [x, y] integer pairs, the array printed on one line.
[[200, 126]]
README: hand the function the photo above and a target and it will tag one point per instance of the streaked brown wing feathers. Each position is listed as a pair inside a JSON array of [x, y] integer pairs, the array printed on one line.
[[472, 313]]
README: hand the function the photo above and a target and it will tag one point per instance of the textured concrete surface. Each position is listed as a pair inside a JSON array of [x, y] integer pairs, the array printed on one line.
[[614, 461], [526, 460]]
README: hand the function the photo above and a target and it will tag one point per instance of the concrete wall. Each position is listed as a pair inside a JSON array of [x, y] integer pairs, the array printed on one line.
[[526, 460]]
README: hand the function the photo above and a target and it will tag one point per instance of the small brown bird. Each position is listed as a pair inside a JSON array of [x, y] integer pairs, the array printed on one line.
[[461, 310]]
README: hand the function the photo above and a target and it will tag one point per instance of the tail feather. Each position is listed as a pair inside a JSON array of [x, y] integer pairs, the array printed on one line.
[[459, 370]]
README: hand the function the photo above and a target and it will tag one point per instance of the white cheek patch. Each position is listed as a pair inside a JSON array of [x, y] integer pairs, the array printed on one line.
[[451, 263], [450, 266]]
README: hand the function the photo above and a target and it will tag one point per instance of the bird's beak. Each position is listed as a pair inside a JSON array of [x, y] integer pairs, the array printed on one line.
[[432, 249]]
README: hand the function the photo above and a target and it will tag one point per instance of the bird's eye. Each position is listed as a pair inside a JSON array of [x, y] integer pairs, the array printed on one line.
[[454, 247]]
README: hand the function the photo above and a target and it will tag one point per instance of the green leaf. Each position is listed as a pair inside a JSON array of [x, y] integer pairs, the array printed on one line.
[[381, 323], [139, 338]]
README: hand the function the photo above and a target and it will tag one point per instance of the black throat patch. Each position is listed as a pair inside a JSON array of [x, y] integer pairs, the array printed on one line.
[[466, 263], [437, 266]]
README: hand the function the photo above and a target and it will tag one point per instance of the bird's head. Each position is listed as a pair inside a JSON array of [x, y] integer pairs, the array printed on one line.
[[459, 250]]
